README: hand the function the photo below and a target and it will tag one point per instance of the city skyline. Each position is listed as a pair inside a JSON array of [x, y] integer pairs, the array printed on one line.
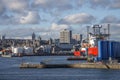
[[20, 18]]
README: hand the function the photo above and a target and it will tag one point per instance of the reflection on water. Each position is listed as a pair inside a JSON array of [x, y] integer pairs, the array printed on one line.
[[9, 70]]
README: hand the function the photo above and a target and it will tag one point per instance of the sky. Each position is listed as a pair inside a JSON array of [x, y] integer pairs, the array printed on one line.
[[20, 18]]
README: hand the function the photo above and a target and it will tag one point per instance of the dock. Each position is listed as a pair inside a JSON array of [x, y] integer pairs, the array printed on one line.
[[80, 65]]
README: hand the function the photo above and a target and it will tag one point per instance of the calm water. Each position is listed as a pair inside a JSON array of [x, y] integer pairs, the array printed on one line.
[[9, 70]]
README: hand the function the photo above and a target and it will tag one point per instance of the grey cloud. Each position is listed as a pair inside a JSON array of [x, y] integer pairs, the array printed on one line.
[[110, 19], [2, 8], [99, 3], [52, 4], [109, 4], [81, 18], [115, 31], [80, 2], [5, 20], [115, 4]]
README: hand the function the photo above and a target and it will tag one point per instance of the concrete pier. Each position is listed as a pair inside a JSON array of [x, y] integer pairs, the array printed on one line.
[[82, 65]]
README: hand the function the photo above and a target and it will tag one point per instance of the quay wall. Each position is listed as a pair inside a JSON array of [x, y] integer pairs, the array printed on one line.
[[82, 65]]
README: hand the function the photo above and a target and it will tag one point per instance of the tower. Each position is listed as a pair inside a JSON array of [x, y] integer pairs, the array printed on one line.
[[66, 36], [33, 36], [50, 41]]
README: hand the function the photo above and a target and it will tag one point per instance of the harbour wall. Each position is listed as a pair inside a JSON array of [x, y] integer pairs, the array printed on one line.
[[80, 65]]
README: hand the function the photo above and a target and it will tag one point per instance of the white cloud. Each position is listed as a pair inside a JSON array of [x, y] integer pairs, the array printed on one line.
[[56, 27], [16, 5], [81, 18], [31, 18]]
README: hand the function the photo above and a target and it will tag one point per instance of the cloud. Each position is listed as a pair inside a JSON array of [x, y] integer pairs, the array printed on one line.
[[52, 4], [81, 18], [9, 20], [2, 8], [115, 4], [31, 18], [99, 3], [5, 19], [80, 2], [110, 19], [12, 10], [56, 27], [16, 5], [109, 4], [115, 31]]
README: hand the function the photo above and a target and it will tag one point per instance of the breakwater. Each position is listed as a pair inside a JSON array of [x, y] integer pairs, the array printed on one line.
[[80, 65]]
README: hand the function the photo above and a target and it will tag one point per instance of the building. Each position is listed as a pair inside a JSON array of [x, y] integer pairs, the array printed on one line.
[[66, 36], [2, 37], [56, 41], [77, 38], [33, 36], [50, 41]]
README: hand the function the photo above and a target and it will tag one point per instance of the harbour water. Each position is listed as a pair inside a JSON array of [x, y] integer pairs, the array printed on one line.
[[9, 70]]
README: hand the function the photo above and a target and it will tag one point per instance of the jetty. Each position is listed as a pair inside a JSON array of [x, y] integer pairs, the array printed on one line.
[[79, 65]]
